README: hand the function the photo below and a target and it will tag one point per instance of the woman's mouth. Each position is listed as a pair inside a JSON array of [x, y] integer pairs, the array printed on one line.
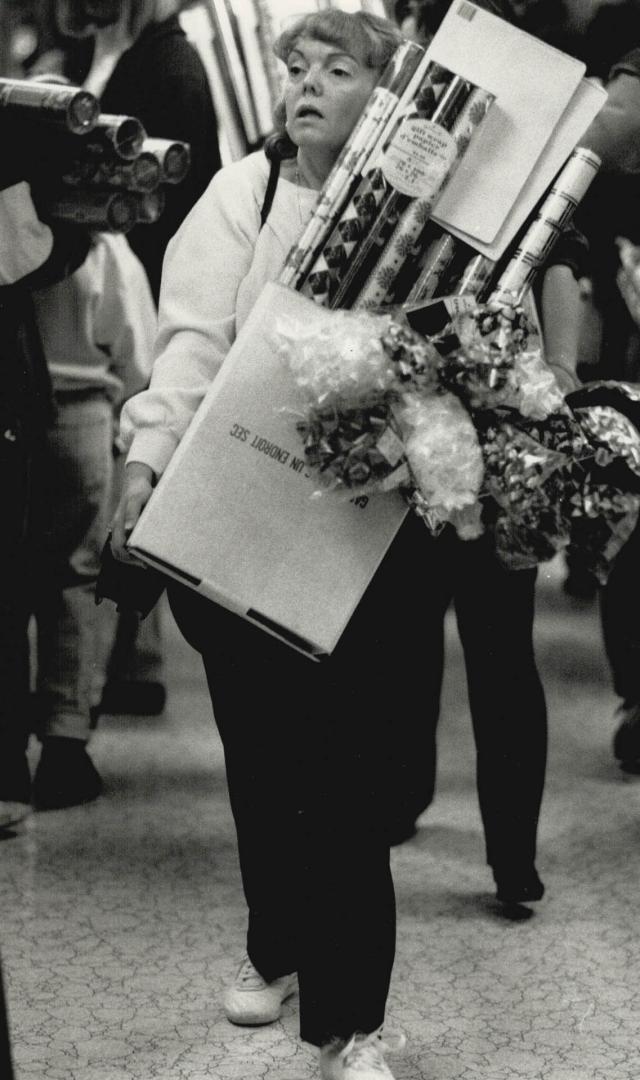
[[307, 112]]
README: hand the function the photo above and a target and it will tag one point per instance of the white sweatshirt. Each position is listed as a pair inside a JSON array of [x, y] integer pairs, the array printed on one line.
[[214, 270], [99, 324]]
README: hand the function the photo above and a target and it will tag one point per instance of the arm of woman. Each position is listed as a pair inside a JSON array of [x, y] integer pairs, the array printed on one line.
[[205, 264], [561, 316]]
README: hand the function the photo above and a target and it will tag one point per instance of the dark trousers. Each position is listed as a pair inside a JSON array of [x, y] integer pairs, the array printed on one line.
[[495, 613], [314, 751], [620, 609]]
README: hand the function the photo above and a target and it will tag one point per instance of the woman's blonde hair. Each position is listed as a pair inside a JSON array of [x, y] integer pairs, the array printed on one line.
[[369, 38]]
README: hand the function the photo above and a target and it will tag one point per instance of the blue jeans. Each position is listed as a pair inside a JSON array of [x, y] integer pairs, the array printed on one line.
[[71, 659]]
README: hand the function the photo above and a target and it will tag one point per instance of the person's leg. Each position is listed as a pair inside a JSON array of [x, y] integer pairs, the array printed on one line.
[[70, 672], [495, 612], [619, 617], [306, 746], [412, 758]]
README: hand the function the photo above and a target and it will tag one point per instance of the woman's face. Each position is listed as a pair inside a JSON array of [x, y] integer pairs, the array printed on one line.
[[325, 93]]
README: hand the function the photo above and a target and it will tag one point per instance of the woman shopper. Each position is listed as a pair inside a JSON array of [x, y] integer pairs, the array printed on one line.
[[304, 743]]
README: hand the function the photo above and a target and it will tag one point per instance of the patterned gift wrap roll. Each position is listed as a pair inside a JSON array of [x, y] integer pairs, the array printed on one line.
[[439, 165], [144, 173], [553, 215], [174, 158], [401, 172], [361, 209], [65, 106], [437, 248], [475, 277], [108, 211], [346, 172]]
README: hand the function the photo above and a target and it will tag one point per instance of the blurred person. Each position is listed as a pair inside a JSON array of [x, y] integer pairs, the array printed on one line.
[[134, 55], [32, 255], [494, 610], [97, 327], [613, 210]]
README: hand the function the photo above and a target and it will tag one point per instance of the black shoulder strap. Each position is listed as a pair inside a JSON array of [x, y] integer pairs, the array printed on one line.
[[274, 173]]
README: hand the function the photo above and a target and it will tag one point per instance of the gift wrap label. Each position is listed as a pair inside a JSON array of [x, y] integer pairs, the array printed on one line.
[[235, 516], [419, 158]]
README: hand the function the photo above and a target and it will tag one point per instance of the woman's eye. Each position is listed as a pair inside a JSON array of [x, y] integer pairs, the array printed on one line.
[[341, 72]]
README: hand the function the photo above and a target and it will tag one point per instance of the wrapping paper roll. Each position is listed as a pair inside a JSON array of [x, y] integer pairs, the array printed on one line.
[[553, 215], [144, 173], [108, 211], [434, 265], [122, 135], [369, 194], [406, 175], [346, 173], [174, 158], [381, 286], [49, 103], [475, 277]]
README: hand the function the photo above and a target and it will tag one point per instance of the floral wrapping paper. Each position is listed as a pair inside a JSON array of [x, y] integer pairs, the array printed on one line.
[[400, 193], [382, 286]]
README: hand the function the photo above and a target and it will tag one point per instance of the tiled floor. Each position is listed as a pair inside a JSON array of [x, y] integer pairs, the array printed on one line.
[[121, 921]]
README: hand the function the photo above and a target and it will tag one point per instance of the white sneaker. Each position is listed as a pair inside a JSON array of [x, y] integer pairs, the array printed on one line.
[[251, 1000], [361, 1058]]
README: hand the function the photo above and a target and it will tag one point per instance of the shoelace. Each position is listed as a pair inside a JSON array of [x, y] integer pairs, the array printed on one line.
[[248, 977], [367, 1050]]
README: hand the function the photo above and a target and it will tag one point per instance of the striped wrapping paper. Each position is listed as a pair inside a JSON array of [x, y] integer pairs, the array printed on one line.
[[378, 113], [381, 287], [554, 213], [358, 216]]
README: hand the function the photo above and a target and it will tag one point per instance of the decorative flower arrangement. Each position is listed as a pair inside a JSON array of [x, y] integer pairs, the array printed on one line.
[[471, 426]]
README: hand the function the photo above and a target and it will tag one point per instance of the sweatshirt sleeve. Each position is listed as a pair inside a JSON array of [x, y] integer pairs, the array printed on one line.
[[204, 266], [27, 242], [126, 318]]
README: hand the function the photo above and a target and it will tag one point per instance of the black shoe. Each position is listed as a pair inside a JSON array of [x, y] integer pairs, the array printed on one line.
[[65, 776], [15, 778], [133, 698], [626, 741], [518, 886]]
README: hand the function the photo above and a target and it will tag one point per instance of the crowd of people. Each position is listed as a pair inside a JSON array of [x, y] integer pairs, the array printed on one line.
[[344, 768]]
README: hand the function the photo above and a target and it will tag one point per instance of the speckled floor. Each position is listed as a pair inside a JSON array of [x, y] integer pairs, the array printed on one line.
[[122, 921]]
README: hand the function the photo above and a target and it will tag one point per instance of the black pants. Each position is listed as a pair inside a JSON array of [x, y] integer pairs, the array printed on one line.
[[621, 620], [495, 613], [313, 752]]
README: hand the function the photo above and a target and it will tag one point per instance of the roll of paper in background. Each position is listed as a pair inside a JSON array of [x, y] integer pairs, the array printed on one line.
[[49, 103], [553, 215], [346, 172], [108, 211], [444, 152]]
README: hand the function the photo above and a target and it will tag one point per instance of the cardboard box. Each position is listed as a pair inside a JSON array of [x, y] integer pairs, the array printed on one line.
[[233, 516]]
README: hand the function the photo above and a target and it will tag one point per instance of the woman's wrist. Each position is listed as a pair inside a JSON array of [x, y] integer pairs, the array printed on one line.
[[138, 470]]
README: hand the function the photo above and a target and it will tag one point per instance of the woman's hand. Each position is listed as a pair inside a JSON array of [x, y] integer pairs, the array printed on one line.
[[138, 486]]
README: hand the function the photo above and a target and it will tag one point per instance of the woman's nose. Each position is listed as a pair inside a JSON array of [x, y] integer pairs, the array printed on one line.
[[311, 81]]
